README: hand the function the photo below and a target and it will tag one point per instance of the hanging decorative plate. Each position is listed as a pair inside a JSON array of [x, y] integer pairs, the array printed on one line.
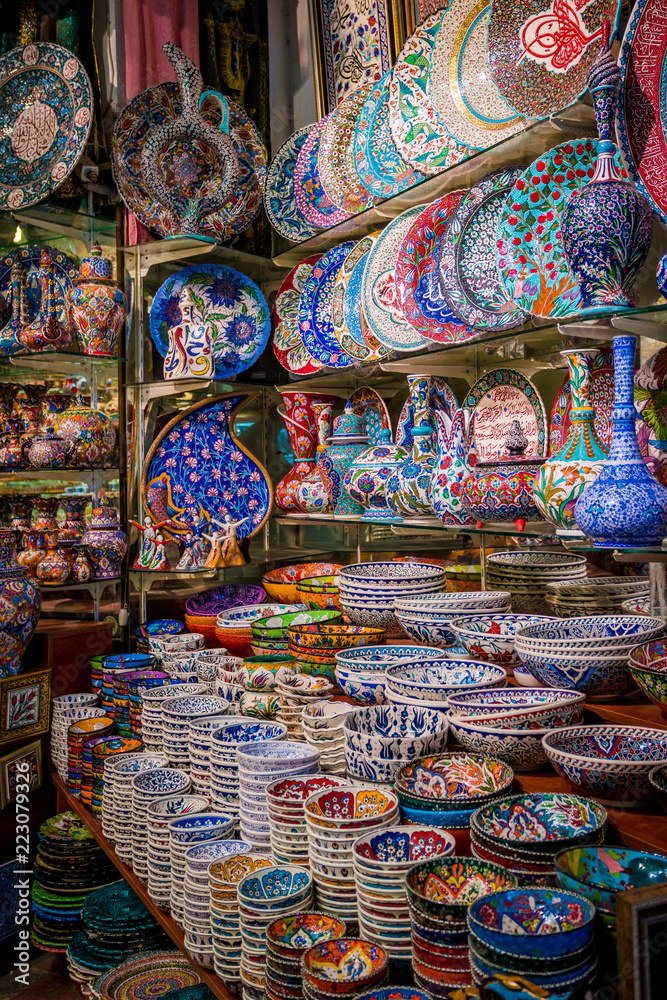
[[315, 322], [198, 467], [464, 96], [602, 398], [417, 283], [379, 166], [311, 199], [440, 397], [372, 409], [355, 45], [279, 200], [286, 336], [467, 266], [65, 270], [346, 306], [379, 299], [643, 101], [335, 159], [46, 108], [495, 400], [192, 164], [230, 302], [418, 135], [540, 51], [651, 404]]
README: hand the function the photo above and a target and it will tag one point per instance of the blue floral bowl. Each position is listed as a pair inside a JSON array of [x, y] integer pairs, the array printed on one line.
[[379, 657], [598, 873], [200, 826], [363, 687], [395, 732], [521, 748], [398, 846], [520, 708], [275, 882], [159, 782], [436, 681], [535, 923]]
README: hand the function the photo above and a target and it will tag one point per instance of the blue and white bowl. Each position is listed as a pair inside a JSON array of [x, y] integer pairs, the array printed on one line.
[[394, 574], [159, 782], [283, 882], [520, 708], [281, 756], [436, 681], [367, 768], [435, 630], [393, 733], [363, 687], [597, 632], [200, 826], [521, 748], [601, 676], [378, 657]]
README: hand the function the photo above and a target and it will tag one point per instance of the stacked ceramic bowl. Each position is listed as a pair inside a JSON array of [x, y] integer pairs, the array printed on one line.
[[119, 773], [77, 734], [524, 833], [185, 832], [186, 642], [60, 723], [151, 710], [446, 789], [429, 619], [296, 691], [360, 670], [491, 638], [526, 573], [202, 609], [126, 681], [66, 703], [103, 751], [223, 878], [260, 764], [648, 666], [335, 819], [224, 768], [229, 683], [177, 714], [286, 941], [546, 936], [430, 683], [314, 647], [233, 629], [381, 738], [347, 967], [154, 629], [146, 787], [200, 732], [439, 893], [381, 862], [137, 690], [285, 800], [101, 680], [263, 897], [319, 591], [87, 747], [599, 595], [368, 591], [510, 723], [207, 664], [322, 723], [271, 634], [637, 606], [158, 816], [588, 654]]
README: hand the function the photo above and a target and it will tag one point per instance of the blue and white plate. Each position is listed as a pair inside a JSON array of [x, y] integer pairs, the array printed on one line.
[[279, 199], [315, 319]]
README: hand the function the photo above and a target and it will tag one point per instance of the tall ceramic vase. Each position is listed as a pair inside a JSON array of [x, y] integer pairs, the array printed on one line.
[[567, 475], [625, 507], [345, 444], [299, 420], [312, 493], [408, 490], [20, 605], [453, 466]]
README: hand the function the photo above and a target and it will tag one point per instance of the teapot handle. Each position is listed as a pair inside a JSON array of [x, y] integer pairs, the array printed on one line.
[[222, 103]]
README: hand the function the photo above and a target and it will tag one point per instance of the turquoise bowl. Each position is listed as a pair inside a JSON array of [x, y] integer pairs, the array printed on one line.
[[600, 872]]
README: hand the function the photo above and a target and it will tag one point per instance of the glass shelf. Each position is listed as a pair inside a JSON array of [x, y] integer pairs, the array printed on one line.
[[410, 527], [182, 251], [51, 223], [52, 363]]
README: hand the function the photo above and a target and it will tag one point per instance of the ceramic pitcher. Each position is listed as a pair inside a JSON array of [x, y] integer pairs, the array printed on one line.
[[456, 458], [299, 417]]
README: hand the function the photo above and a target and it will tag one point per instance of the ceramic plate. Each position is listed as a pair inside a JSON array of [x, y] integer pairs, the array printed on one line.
[[379, 166], [440, 397], [229, 301], [315, 322], [286, 338], [65, 270], [641, 136], [372, 409], [418, 135], [46, 107], [349, 330], [465, 98], [312, 200], [381, 307], [279, 200], [162, 104], [495, 400], [417, 282], [335, 159], [540, 51], [355, 44], [602, 398]]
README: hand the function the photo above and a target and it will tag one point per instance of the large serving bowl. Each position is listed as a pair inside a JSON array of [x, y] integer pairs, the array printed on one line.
[[363, 687], [395, 732], [540, 823], [526, 564], [601, 587], [436, 628], [491, 637], [520, 708], [521, 748], [378, 657], [319, 592], [280, 584], [611, 763], [598, 873], [649, 654], [276, 626], [330, 635], [436, 681], [653, 682], [390, 575], [484, 601], [453, 780], [446, 887], [344, 966], [595, 632]]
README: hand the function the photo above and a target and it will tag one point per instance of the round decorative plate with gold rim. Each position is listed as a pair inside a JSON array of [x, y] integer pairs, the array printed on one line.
[[315, 322], [380, 167], [346, 306], [285, 335], [279, 200], [335, 159], [312, 200], [495, 401]]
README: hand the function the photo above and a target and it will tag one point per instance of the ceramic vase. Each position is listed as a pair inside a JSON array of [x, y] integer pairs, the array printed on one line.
[[46, 332], [73, 506], [47, 451], [20, 605], [607, 227], [299, 418], [91, 432], [625, 507], [567, 475], [455, 463], [19, 510], [55, 566], [18, 319], [346, 443], [367, 477], [11, 450], [408, 489], [96, 306], [312, 495], [105, 542], [46, 513], [81, 569], [33, 552]]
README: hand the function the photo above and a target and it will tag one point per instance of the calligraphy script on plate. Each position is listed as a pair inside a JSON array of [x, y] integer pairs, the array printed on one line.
[[493, 418]]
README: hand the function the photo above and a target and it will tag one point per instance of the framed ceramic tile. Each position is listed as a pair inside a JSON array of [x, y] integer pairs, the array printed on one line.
[[641, 927], [12, 766], [24, 705], [9, 899]]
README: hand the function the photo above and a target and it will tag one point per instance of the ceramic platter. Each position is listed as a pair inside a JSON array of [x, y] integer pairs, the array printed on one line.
[[540, 52], [467, 264], [279, 200], [440, 397], [286, 338], [465, 98], [346, 306], [312, 200], [65, 270], [418, 135], [641, 113], [46, 108], [197, 466], [602, 398], [372, 409], [379, 166], [315, 322], [229, 301], [379, 302], [335, 159], [193, 163], [495, 401]]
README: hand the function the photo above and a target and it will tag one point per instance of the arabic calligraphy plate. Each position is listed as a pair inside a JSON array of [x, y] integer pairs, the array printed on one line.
[[379, 166], [642, 102], [197, 465], [286, 337], [229, 301], [540, 52], [440, 397], [335, 159], [465, 98], [418, 135], [315, 322], [495, 400], [349, 326], [602, 398], [279, 200], [372, 409], [65, 270], [379, 299], [312, 200], [46, 109]]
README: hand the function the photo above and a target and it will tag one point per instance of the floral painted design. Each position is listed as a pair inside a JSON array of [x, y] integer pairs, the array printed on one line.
[[356, 45], [22, 707]]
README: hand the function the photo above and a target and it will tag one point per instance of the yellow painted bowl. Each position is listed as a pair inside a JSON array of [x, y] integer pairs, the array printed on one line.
[[335, 636], [281, 583]]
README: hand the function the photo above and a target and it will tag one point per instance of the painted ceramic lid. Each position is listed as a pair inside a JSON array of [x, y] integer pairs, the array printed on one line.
[[96, 265]]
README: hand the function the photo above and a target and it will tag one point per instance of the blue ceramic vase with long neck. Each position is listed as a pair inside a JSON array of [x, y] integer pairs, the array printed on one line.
[[625, 507]]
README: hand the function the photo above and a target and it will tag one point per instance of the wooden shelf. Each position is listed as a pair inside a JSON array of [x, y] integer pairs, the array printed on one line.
[[67, 800]]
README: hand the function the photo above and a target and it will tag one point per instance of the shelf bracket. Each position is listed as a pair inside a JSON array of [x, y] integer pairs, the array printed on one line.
[[641, 327]]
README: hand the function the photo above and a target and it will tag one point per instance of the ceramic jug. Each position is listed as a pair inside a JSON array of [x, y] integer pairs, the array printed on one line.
[[344, 445], [96, 306], [409, 488], [20, 605], [73, 506], [299, 417], [456, 459], [312, 496], [33, 552], [46, 332]]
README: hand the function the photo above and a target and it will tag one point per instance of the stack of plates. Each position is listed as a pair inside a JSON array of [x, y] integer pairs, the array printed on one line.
[[223, 761], [177, 713], [335, 818], [77, 734], [121, 772], [199, 748], [322, 724], [105, 749], [158, 816], [223, 878], [285, 800], [197, 896], [296, 691], [526, 573], [368, 591], [381, 862], [184, 831], [146, 787], [151, 710], [263, 897], [286, 940], [600, 595], [60, 723], [260, 764], [148, 975]]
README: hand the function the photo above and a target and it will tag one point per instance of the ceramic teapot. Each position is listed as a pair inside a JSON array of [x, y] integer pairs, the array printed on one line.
[[47, 451]]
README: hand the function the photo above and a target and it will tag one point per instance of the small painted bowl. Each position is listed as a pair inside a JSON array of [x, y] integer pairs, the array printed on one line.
[[652, 680], [344, 966], [400, 846], [491, 637], [276, 626], [276, 882], [280, 584], [347, 808], [392, 732], [362, 687], [435, 681], [333, 635], [649, 654], [598, 873], [540, 821], [199, 826], [445, 887], [453, 780], [291, 936]]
